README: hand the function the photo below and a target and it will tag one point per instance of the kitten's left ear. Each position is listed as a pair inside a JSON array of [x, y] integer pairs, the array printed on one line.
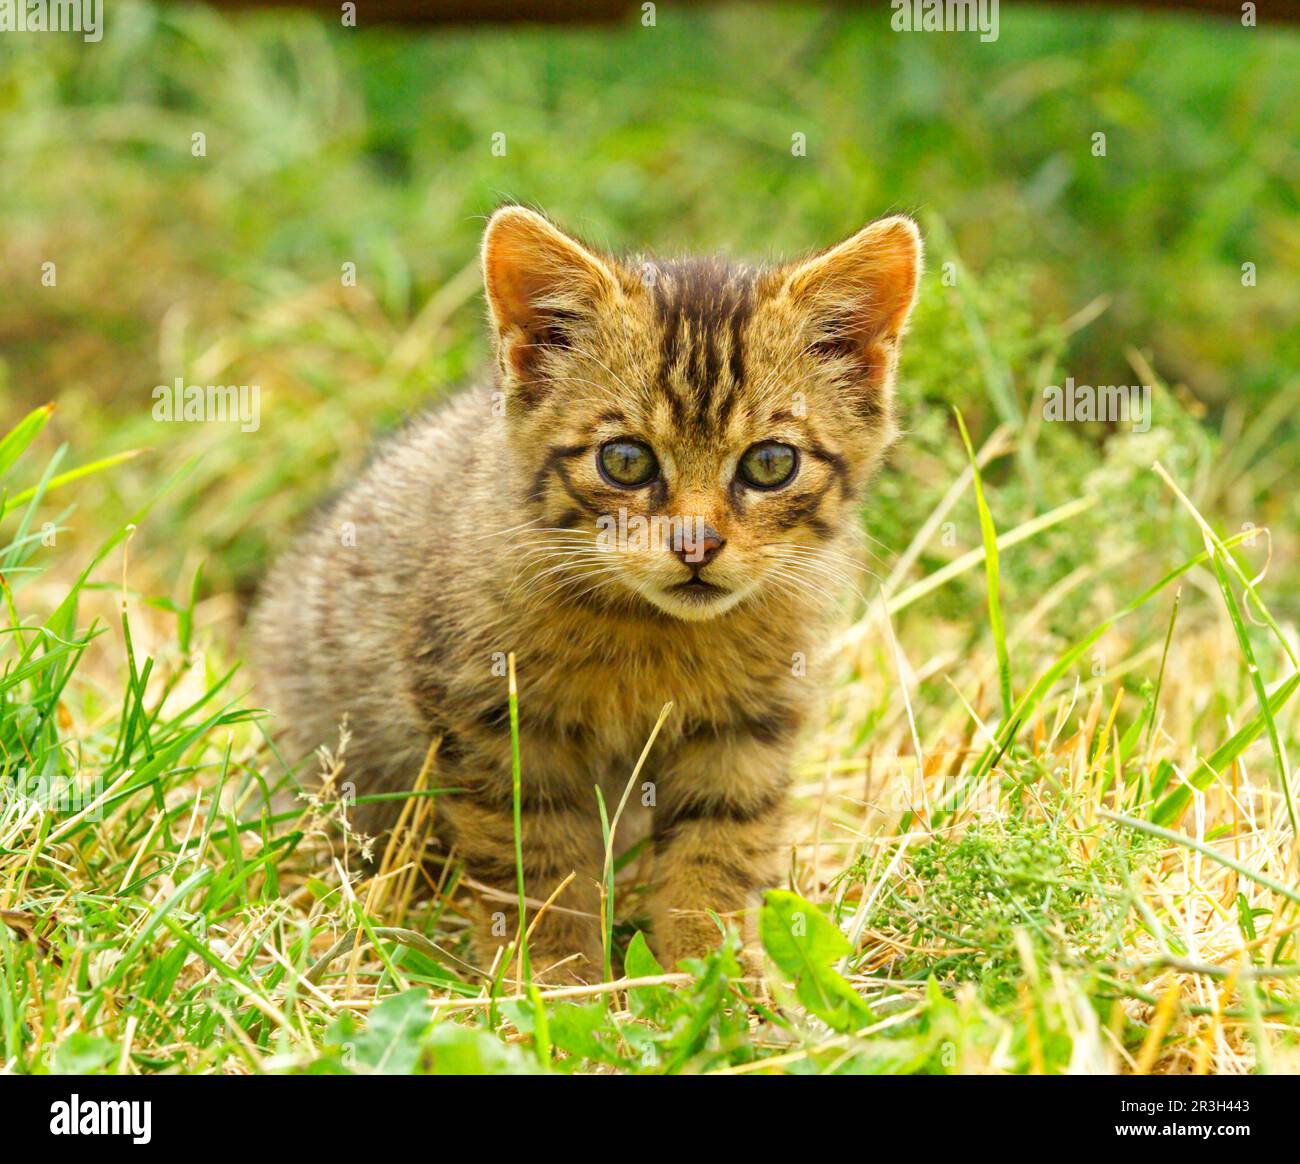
[[855, 299], [540, 284]]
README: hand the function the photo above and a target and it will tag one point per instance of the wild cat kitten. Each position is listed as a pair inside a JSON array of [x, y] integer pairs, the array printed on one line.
[[751, 406]]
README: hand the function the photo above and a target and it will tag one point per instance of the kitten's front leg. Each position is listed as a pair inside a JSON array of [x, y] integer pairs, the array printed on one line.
[[719, 836], [560, 835]]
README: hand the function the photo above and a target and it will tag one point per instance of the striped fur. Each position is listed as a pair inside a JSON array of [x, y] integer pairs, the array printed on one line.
[[476, 533]]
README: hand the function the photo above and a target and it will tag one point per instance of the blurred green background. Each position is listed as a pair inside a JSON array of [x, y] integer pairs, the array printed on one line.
[[326, 145]]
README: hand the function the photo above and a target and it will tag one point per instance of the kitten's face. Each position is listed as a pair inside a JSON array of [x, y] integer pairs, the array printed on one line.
[[691, 434]]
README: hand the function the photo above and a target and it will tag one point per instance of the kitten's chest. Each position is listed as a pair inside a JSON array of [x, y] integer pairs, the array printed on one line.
[[611, 686], [620, 699]]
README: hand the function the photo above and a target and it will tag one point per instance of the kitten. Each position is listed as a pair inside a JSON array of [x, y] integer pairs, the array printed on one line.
[[750, 407]]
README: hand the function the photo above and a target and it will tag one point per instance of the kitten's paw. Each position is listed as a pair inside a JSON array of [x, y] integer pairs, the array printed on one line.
[[688, 937], [698, 938]]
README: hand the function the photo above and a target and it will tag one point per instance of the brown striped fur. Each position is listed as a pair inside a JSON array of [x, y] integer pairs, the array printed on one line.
[[473, 534]]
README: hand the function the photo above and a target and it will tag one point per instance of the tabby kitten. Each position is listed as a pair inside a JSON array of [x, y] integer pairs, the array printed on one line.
[[745, 409]]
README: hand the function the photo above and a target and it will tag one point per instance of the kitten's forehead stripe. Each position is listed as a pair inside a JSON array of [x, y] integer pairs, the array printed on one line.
[[703, 307]]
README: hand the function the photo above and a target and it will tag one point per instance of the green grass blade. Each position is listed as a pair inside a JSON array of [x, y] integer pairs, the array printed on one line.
[[1170, 808], [1256, 679], [14, 443], [1045, 681], [1224, 547], [1154, 830], [540, 1027], [989, 536], [75, 475]]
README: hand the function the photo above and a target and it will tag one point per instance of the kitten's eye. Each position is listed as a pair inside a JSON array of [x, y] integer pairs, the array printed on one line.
[[769, 464], [626, 463]]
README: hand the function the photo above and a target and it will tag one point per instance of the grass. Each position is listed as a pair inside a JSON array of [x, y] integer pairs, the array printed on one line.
[[1045, 821]]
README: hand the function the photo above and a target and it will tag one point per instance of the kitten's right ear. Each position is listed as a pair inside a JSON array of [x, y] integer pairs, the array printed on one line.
[[540, 283]]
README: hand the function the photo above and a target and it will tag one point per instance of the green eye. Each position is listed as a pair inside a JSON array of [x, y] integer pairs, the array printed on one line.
[[627, 463], [769, 464]]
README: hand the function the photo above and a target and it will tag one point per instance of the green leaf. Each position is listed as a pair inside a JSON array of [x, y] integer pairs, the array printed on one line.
[[456, 1050], [84, 1054], [394, 1034], [804, 944], [639, 962], [577, 1029], [710, 1019]]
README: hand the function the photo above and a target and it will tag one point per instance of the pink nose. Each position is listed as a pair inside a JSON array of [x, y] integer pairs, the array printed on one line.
[[702, 550]]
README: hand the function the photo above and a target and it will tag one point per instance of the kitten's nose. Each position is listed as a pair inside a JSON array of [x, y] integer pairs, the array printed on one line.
[[702, 550]]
